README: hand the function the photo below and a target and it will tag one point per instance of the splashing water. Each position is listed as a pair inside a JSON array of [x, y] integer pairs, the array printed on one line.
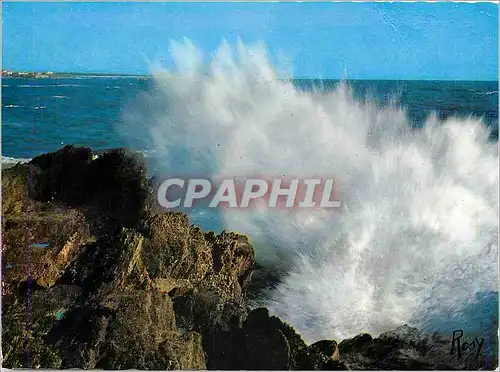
[[418, 234]]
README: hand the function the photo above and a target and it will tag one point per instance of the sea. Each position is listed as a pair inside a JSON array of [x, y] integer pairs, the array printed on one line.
[[42, 115], [417, 164]]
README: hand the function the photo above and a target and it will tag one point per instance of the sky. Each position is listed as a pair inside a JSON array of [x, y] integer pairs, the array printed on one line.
[[423, 41]]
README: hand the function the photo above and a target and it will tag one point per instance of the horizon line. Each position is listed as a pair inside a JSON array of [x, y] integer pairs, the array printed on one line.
[[150, 75]]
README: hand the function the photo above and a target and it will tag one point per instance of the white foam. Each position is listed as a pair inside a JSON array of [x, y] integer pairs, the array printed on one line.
[[421, 223], [8, 161]]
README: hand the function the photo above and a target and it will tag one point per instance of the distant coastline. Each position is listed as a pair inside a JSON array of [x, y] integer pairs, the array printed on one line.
[[49, 74]]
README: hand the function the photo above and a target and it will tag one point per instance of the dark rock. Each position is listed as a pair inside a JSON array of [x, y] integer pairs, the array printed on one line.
[[322, 355], [263, 279], [112, 260], [262, 342], [93, 277], [15, 193], [114, 184], [407, 348], [126, 329], [355, 344], [60, 175]]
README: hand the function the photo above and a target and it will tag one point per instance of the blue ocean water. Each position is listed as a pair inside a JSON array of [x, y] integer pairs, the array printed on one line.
[[42, 115]]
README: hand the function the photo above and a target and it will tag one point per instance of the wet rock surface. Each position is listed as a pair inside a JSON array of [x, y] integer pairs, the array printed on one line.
[[94, 277]]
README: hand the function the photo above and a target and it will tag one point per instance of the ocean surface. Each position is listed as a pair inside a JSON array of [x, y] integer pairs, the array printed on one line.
[[418, 244], [41, 115]]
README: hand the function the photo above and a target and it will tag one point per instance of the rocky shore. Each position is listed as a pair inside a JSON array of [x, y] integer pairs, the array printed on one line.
[[94, 277]]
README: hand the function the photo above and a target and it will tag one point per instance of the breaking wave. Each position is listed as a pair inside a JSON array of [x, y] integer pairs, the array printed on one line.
[[418, 235]]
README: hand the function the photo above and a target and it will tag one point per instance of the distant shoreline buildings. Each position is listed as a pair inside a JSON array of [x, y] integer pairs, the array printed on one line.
[[50, 74], [9, 73]]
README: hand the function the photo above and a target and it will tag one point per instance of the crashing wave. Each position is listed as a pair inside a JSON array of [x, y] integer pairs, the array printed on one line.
[[421, 223]]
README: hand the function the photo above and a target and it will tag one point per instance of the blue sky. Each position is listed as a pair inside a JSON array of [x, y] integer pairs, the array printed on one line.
[[327, 40]]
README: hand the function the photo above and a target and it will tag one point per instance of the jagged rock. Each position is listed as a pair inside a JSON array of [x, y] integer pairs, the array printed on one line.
[[322, 355], [218, 301], [60, 175], [94, 277], [175, 249], [116, 183], [39, 247], [126, 329], [407, 348], [15, 193], [113, 184], [232, 256], [39, 238], [261, 342], [139, 260], [113, 260]]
